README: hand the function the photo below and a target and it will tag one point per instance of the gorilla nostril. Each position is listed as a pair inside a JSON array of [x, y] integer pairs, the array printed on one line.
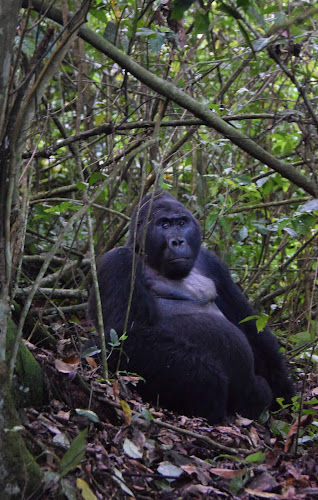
[[177, 242]]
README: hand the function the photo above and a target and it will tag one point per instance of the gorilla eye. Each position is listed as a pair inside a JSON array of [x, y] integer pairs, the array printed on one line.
[[165, 225], [181, 223]]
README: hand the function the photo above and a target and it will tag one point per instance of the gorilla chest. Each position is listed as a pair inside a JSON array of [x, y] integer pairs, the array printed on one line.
[[190, 295]]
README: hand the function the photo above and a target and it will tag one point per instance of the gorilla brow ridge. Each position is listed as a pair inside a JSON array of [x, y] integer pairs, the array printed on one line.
[[151, 198]]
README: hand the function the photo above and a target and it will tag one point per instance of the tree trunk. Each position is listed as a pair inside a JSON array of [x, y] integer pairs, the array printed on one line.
[[19, 474]]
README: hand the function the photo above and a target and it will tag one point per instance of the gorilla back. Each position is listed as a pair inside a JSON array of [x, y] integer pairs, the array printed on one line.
[[184, 331]]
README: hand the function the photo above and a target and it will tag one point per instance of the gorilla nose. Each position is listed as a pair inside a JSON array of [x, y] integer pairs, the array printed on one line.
[[176, 242]]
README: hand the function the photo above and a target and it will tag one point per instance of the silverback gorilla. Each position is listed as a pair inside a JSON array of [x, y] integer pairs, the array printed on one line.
[[184, 332]]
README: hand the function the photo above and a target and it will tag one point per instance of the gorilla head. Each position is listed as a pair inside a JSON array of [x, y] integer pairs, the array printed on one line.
[[168, 234]]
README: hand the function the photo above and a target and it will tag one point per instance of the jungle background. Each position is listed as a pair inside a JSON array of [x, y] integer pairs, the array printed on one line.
[[101, 102]]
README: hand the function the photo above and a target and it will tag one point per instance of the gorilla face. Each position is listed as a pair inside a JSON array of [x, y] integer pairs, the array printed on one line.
[[172, 239], [170, 243]]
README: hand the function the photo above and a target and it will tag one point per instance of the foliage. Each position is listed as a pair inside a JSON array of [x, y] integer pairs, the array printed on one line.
[[94, 113], [74, 132]]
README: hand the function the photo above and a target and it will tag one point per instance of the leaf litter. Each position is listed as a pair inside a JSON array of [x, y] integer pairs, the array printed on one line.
[[98, 440]]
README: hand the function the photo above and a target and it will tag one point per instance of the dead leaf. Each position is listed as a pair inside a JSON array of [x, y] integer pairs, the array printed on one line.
[[92, 363], [131, 449], [127, 411], [195, 489], [189, 468], [132, 379], [29, 345], [63, 367], [73, 359], [228, 473], [116, 389], [304, 421], [245, 422], [49, 425], [263, 482], [64, 415], [200, 473], [169, 469], [261, 494], [291, 494], [300, 482], [254, 436]]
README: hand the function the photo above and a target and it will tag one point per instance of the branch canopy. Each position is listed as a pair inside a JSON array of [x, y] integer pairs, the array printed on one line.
[[171, 92]]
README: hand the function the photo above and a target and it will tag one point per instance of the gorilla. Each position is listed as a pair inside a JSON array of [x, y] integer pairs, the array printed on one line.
[[183, 324]]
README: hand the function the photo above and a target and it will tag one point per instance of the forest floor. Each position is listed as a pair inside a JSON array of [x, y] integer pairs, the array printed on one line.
[[98, 440]]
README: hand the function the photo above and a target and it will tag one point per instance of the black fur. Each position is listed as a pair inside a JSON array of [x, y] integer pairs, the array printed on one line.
[[184, 331]]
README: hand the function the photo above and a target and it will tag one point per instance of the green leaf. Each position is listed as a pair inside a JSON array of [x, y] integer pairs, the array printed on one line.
[[179, 8], [312, 401], [91, 351], [110, 32], [201, 22], [60, 209], [147, 415], [261, 322], [237, 483], [302, 338], [244, 4], [95, 177], [146, 32], [310, 206], [242, 234], [124, 40], [256, 457], [99, 14], [279, 427], [248, 318], [74, 454], [113, 337], [91, 415], [281, 403], [156, 42], [260, 44], [291, 232], [81, 186]]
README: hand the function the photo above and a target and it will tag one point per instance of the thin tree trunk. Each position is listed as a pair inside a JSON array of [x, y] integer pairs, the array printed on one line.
[[19, 473]]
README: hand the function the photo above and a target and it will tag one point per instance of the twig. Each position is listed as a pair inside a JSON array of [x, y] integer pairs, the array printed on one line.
[[77, 216], [260, 206], [185, 432], [59, 293]]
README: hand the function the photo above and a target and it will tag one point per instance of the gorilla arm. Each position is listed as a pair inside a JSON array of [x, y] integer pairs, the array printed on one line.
[[269, 362], [115, 281]]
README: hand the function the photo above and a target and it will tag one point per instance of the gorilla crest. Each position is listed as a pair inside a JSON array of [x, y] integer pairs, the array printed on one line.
[[184, 332]]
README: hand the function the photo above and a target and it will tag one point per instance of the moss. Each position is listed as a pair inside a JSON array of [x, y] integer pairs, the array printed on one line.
[[28, 386], [20, 475]]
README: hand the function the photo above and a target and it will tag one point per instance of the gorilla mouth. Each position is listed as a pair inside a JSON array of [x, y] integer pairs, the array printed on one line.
[[179, 259]]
